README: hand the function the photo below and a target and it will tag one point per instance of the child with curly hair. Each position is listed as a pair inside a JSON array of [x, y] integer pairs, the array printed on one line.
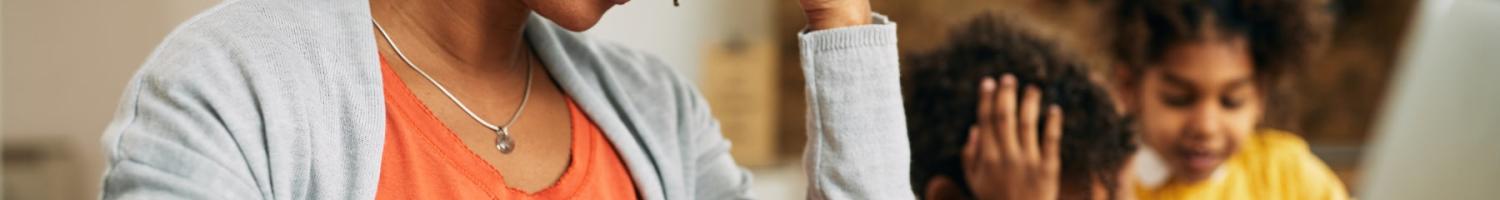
[[1196, 75], [944, 100]]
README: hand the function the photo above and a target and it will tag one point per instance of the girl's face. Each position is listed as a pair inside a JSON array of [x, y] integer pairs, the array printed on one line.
[[575, 15], [1198, 106]]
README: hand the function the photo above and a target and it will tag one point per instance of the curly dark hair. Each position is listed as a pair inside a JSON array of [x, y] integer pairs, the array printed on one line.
[[1282, 34], [942, 91]]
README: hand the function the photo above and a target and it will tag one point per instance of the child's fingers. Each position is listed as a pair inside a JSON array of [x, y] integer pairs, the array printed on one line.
[[1006, 112], [1031, 109], [985, 139], [986, 113], [1050, 150], [970, 145]]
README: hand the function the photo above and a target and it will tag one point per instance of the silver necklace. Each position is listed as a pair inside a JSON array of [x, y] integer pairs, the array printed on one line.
[[503, 141]]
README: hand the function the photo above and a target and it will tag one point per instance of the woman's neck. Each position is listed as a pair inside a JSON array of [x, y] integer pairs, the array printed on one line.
[[455, 32]]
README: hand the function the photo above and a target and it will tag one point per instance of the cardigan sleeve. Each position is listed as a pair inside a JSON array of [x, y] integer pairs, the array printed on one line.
[[857, 146]]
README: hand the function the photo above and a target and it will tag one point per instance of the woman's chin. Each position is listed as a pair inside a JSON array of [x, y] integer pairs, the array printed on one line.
[[572, 15], [577, 26]]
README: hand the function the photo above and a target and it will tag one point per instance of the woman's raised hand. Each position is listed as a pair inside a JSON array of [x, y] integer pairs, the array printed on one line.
[[828, 14], [1002, 158]]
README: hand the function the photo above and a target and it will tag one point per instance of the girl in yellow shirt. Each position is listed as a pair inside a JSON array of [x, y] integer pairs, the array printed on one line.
[[1195, 76], [1270, 164]]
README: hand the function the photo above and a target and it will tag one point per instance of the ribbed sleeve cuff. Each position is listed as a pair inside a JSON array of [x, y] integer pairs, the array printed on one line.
[[880, 32]]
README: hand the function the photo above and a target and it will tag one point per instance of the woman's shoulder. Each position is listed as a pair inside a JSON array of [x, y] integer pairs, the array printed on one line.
[[287, 57], [242, 44], [241, 33]]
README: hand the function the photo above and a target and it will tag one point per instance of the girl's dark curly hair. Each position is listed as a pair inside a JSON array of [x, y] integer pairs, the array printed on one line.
[[942, 91], [1282, 34]]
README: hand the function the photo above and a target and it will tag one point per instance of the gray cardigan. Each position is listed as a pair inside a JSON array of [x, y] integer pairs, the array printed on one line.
[[281, 99]]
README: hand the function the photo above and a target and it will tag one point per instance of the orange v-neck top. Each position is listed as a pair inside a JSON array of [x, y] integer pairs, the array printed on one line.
[[423, 159]]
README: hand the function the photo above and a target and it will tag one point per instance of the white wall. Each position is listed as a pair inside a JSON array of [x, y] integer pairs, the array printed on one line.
[[678, 34], [67, 60], [65, 64], [2, 91]]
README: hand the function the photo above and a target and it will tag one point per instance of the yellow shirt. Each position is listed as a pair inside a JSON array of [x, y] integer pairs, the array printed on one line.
[[1270, 165]]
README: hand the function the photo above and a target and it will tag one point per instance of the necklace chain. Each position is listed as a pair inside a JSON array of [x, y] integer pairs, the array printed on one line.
[[503, 141]]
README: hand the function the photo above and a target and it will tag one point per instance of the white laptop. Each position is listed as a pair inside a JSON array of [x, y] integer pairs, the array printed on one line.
[[1439, 134]]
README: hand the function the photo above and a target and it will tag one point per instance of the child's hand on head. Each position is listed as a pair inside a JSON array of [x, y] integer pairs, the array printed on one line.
[[1003, 154]]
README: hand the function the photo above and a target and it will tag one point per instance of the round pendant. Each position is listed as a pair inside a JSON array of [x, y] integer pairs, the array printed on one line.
[[503, 141]]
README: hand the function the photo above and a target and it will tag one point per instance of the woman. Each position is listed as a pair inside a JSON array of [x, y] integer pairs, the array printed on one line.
[[1195, 76], [465, 99]]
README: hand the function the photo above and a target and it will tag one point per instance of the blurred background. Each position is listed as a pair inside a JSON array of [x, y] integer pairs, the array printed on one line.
[[63, 64]]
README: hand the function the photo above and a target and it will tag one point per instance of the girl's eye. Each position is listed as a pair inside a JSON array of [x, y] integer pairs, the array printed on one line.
[[1231, 102], [1177, 100]]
